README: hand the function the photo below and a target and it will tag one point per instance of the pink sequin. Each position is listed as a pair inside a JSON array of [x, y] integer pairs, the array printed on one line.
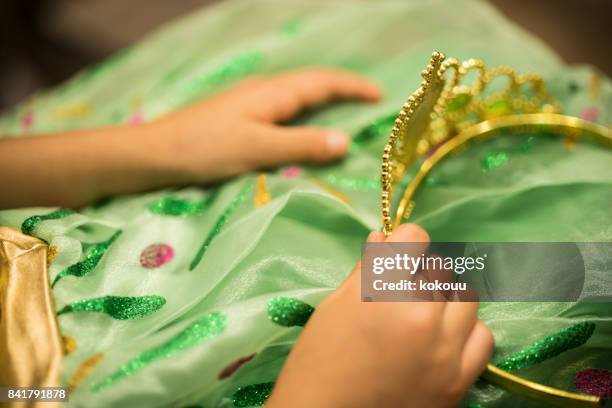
[[595, 381], [156, 255], [232, 367], [27, 120], [136, 119], [292, 171], [590, 114]]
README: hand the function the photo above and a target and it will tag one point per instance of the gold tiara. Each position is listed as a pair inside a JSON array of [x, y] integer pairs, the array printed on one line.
[[445, 113]]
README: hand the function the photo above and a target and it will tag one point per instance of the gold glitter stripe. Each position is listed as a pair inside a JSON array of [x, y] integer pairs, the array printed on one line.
[[27, 315], [262, 195], [84, 369], [72, 111], [331, 190], [69, 343], [51, 254]]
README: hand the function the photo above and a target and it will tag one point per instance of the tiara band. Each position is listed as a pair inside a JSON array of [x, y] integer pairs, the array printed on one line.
[[444, 114]]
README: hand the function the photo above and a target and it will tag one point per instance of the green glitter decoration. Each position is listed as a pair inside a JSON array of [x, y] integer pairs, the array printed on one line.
[[241, 65], [528, 144], [359, 184], [289, 312], [87, 265], [497, 159], [28, 226], [550, 346], [254, 395], [379, 127], [494, 161], [193, 335], [220, 224], [179, 207], [118, 307]]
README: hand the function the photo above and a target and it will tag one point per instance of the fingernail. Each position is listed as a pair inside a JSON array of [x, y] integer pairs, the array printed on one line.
[[337, 142]]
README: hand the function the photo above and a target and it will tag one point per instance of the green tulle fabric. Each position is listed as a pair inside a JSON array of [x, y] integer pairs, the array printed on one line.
[[234, 280]]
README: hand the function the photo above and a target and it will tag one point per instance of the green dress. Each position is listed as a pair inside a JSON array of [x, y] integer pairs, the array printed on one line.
[[194, 297]]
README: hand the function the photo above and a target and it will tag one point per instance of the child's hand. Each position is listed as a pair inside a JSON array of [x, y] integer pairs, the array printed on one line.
[[371, 355], [237, 131], [228, 134]]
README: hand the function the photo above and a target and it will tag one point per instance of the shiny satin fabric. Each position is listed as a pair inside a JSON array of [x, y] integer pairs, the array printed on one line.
[[306, 235], [30, 344]]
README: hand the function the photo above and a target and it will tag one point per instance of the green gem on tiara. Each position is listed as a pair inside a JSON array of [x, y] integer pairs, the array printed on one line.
[[459, 102]]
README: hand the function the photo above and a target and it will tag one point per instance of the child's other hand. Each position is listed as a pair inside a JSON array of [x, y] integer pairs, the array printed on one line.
[[237, 130], [233, 132], [371, 355]]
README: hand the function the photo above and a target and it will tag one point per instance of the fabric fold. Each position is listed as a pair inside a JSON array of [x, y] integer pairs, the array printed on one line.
[[30, 343]]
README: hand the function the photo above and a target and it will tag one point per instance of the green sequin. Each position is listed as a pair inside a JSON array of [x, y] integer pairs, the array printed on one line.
[[359, 184], [179, 207], [494, 160], [254, 395], [220, 224], [567, 338], [193, 335], [87, 265], [27, 227], [287, 311], [118, 307], [379, 127]]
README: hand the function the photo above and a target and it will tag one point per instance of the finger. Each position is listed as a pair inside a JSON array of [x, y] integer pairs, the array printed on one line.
[[276, 145], [436, 272], [286, 95], [413, 234], [375, 236], [476, 354], [418, 239], [408, 233], [458, 321]]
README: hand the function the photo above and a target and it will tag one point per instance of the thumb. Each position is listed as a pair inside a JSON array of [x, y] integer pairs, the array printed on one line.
[[280, 145]]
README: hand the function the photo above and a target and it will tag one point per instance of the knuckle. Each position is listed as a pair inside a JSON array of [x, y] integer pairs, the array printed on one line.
[[421, 320]]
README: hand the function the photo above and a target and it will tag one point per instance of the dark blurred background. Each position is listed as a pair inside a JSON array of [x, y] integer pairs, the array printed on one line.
[[44, 42]]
